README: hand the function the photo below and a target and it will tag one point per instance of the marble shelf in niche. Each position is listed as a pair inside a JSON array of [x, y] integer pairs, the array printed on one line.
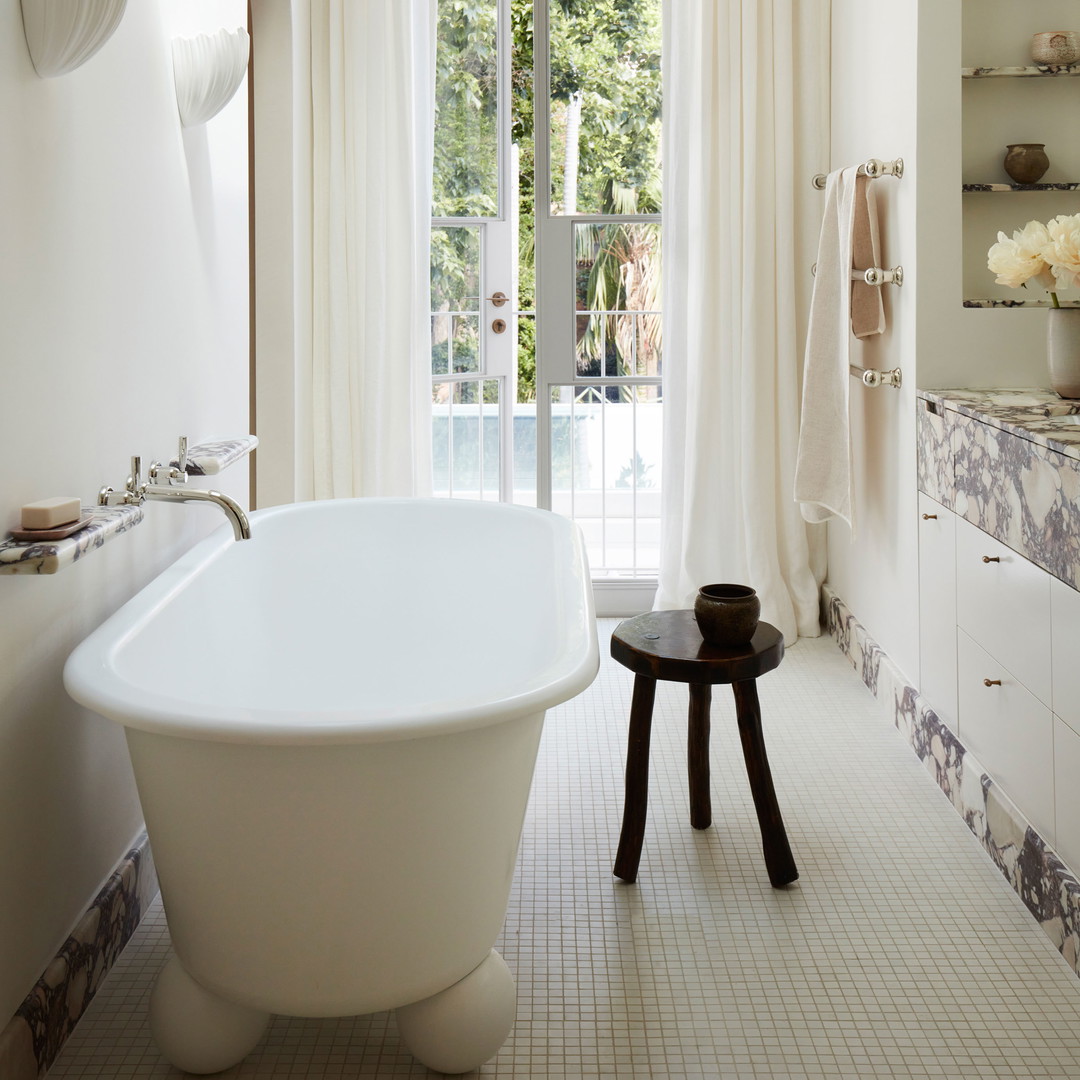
[[49, 557], [1069, 186], [1035, 71], [1004, 303]]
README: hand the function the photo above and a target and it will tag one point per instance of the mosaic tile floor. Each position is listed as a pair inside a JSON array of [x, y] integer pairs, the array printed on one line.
[[900, 952]]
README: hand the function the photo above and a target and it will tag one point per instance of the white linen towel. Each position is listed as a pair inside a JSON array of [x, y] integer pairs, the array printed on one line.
[[823, 474]]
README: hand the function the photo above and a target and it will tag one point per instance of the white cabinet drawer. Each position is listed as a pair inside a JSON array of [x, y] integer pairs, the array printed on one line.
[[1003, 602], [1065, 638], [937, 608], [1009, 731], [1067, 793]]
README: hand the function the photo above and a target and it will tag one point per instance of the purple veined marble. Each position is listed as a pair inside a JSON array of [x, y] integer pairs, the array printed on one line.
[[49, 557], [1007, 460], [1048, 888]]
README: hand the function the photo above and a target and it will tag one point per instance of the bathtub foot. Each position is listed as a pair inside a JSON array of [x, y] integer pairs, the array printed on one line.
[[461, 1027], [196, 1030]]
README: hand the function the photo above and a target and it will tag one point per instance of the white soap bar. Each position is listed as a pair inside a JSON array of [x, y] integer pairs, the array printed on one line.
[[49, 513]]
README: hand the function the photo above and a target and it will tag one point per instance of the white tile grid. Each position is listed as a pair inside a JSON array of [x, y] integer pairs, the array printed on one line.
[[900, 952]]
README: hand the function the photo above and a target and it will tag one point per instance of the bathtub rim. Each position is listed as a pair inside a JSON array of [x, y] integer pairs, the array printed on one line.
[[91, 678]]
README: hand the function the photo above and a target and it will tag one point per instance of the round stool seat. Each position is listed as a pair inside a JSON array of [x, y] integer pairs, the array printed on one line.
[[668, 645]]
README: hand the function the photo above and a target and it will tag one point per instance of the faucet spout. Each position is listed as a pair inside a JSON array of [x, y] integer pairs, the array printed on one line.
[[232, 509]]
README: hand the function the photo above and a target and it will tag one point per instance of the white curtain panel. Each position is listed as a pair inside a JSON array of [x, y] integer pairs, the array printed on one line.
[[745, 128], [373, 102]]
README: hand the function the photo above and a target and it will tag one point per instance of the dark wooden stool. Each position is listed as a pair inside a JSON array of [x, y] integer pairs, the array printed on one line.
[[668, 645]]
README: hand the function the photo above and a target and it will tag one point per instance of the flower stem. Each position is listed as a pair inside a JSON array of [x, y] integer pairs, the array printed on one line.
[[1053, 296]]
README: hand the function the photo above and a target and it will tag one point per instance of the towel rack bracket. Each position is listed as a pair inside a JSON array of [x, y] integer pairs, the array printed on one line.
[[872, 167], [876, 275], [873, 378]]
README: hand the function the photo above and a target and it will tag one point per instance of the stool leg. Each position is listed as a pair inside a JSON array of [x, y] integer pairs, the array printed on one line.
[[778, 859], [637, 779], [697, 755]]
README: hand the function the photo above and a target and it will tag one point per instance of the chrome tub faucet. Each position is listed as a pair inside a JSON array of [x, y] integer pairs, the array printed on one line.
[[168, 483]]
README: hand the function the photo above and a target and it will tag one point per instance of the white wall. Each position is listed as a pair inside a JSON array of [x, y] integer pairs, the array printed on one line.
[[123, 324], [874, 66]]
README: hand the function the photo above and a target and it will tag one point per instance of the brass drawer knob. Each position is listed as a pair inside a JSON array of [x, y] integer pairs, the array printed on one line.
[[929, 517], [991, 682], [991, 558]]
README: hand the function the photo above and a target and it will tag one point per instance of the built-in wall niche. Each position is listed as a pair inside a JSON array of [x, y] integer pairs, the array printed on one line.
[[1006, 99]]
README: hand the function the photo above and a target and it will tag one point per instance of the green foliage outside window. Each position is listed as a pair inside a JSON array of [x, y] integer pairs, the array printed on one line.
[[605, 62]]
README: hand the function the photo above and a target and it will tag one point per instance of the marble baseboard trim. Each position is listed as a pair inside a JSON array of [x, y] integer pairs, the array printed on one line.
[[1048, 888], [31, 1041]]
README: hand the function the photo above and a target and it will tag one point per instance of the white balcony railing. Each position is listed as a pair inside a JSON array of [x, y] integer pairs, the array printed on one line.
[[606, 463]]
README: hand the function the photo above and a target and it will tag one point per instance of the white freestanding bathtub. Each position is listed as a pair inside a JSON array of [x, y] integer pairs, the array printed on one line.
[[333, 727]]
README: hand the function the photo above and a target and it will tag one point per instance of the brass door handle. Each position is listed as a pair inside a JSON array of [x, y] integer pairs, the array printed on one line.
[[498, 299], [991, 558], [991, 682], [929, 517]]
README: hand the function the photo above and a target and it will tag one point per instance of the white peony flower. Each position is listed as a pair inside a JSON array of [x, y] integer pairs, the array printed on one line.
[[1021, 259], [1062, 250]]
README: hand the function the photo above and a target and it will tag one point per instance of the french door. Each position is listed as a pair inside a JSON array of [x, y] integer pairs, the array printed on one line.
[[546, 347]]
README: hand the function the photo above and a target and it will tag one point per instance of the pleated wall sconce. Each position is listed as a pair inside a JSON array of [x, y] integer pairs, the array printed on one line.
[[63, 34], [207, 71]]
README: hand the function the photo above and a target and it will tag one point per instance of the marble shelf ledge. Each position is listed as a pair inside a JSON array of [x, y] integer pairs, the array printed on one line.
[[1070, 186], [1029, 72], [1032, 413], [1019, 303], [210, 458], [48, 557]]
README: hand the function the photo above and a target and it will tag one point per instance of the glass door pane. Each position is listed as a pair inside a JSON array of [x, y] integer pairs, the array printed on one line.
[[617, 283], [473, 328], [467, 103], [455, 299], [605, 92]]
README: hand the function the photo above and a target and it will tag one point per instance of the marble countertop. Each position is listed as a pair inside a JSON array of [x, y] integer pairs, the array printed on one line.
[[1039, 416]]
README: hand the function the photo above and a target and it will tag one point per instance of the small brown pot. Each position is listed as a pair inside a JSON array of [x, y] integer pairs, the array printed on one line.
[[727, 615], [1026, 162]]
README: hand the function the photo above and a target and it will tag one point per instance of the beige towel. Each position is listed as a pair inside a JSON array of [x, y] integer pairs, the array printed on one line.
[[867, 309], [823, 469]]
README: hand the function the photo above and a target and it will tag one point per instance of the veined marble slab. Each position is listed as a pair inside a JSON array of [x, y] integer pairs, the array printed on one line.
[[31, 1041], [1040, 416], [50, 556], [209, 458], [1008, 461]]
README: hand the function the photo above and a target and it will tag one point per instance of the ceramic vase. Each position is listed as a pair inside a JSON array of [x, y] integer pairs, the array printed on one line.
[[1063, 351], [1056, 48], [727, 615], [1026, 162]]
